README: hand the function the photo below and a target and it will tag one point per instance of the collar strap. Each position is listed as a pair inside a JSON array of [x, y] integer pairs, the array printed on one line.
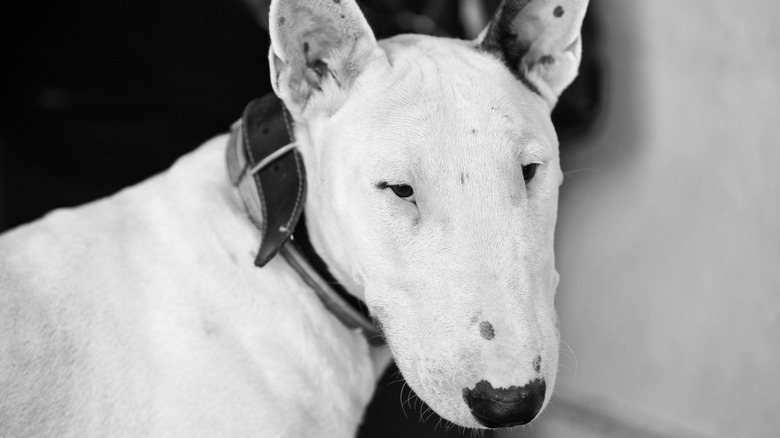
[[352, 311], [269, 173]]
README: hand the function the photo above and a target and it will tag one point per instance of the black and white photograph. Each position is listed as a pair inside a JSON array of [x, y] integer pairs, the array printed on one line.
[[390, 218]]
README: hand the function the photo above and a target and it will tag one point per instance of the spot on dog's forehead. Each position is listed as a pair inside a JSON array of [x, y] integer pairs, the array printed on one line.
[[486, 330], [210, 328]]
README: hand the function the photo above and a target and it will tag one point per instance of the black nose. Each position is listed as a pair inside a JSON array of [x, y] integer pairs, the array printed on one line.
[[505, 407]]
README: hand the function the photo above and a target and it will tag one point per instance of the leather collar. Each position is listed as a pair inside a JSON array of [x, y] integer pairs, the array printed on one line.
[[269, 173]]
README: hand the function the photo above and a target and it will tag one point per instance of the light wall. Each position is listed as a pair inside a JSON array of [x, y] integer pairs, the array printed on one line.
[[669, 252]]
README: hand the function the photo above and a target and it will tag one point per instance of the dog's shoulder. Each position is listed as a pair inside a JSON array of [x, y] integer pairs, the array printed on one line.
[[70, 287]]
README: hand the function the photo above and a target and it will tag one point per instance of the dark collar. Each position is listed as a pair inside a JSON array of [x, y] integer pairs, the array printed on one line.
[[268, 171]]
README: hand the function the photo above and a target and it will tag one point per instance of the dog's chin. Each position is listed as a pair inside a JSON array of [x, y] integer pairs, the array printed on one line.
[[465, 420], [447, 402], [452, 409]]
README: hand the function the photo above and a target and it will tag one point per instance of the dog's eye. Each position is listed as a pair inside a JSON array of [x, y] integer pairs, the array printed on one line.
[[403, 191], [529, 170]]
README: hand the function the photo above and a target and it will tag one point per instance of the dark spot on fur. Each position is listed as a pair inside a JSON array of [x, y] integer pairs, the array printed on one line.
[[486, 330], [280, 21], [462, 178], [547, 59], [343, 16], [339, 1], [210, 328], [473, 131], [306, 47], [558, 12], [538, 363]]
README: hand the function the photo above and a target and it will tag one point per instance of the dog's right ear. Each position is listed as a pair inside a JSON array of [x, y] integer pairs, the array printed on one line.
[[539, 40], [318, 49]]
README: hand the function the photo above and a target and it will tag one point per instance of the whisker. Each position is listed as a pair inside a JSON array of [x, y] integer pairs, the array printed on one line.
[[431, 413], [401, 400], [393, 382], [573, 356]]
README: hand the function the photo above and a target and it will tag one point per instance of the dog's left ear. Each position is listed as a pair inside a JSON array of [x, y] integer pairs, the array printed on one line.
[[539, 40], [318, 49]]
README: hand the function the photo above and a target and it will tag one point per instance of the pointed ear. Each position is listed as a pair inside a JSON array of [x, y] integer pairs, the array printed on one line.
[[539, 40], [318, 49]]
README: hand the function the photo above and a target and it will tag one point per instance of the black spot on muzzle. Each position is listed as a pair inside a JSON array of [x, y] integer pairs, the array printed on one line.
[[486, 330]]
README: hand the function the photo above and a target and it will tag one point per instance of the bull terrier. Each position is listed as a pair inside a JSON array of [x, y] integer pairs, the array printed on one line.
[[428, 172]]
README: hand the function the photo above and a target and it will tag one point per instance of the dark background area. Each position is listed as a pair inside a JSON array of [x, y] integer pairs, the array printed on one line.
[[101, 95]]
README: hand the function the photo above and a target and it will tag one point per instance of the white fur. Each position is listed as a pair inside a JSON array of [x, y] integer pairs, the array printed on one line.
[[142, 314]]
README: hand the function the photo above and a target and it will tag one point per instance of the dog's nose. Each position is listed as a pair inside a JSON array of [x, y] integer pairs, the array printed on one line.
[[505, 407]]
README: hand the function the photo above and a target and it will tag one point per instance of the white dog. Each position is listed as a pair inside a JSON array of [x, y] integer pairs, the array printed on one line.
[[430, 192]]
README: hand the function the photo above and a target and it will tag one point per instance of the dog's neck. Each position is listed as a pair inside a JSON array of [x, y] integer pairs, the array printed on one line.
[[270, 177]]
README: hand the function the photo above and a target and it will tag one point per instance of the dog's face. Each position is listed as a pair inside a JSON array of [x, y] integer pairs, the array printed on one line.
[[433, 185]]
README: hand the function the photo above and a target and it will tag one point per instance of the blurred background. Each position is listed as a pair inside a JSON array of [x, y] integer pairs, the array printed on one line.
[[668, 238]]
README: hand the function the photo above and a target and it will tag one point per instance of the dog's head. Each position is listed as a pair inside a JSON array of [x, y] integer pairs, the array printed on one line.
[[433, 185]]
